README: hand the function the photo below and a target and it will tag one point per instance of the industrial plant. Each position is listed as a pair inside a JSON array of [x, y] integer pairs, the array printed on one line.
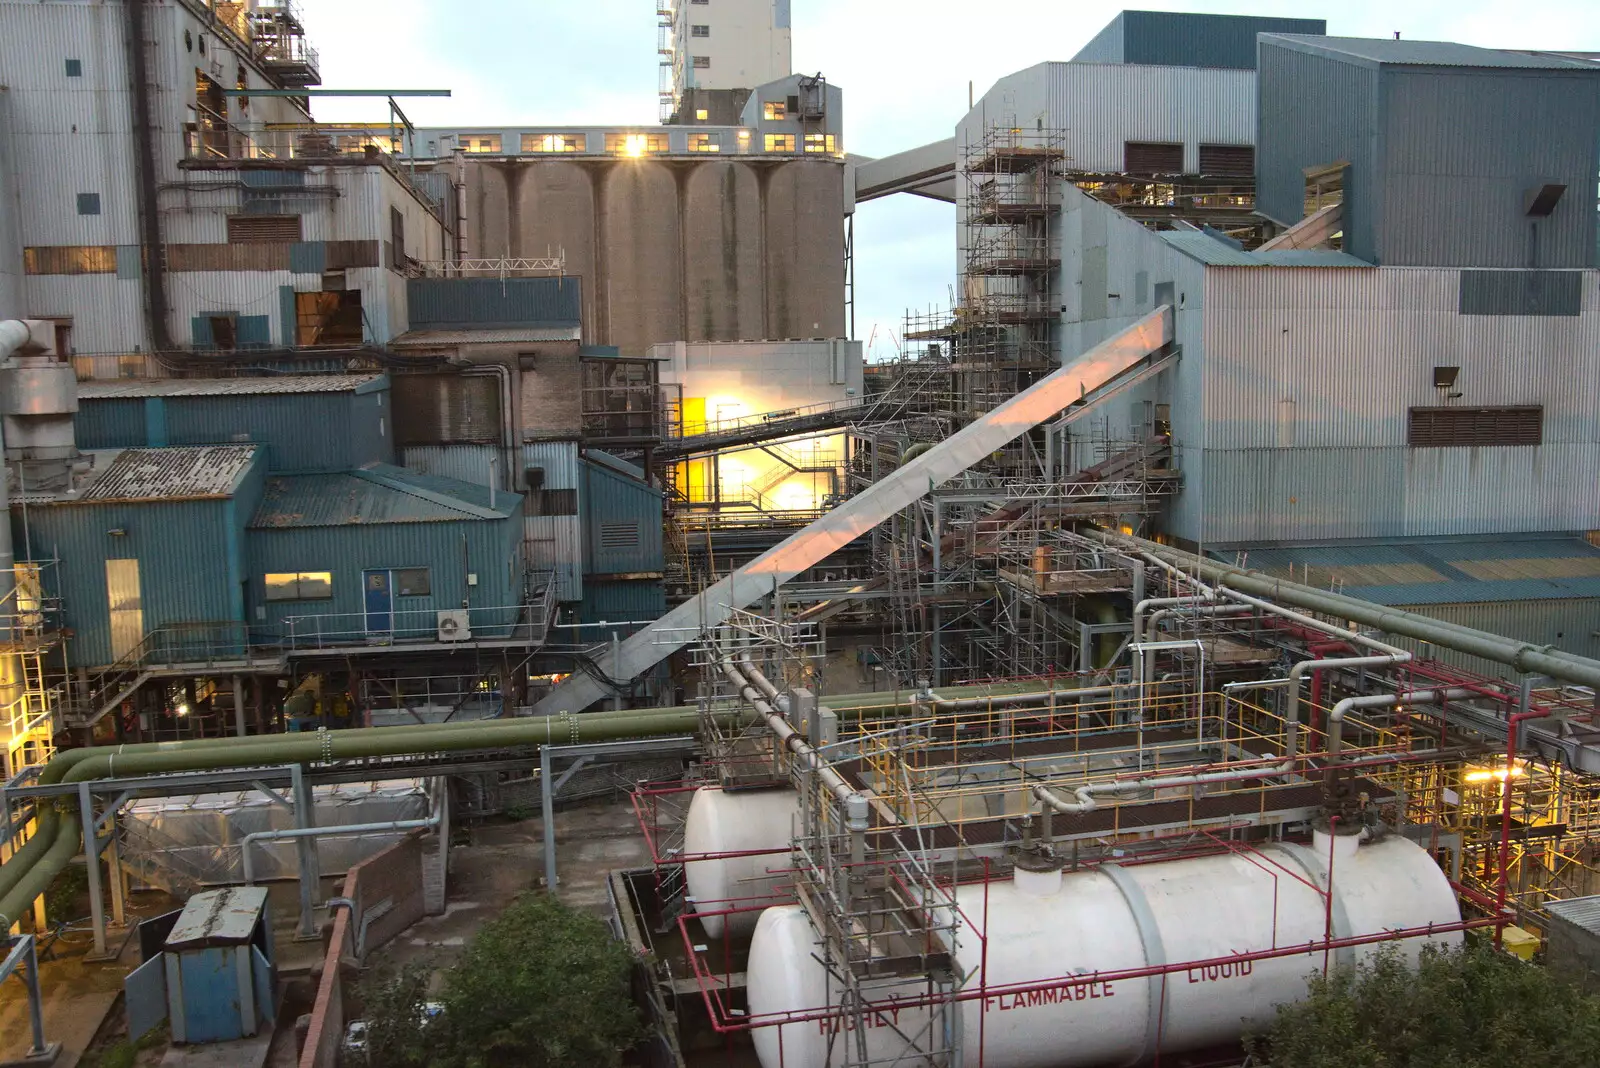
[[1203, 601]]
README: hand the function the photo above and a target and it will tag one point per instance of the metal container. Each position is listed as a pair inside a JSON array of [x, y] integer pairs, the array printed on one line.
[[722, 823], [38, 397], [1105, 920]]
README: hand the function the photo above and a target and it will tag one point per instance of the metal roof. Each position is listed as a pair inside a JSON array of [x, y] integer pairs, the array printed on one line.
[[175, 474], [511, 335], [1214, 253], [1424, 571], [226, 387], [377, 493], [1579, 911], [1382, 51], [225, 917]]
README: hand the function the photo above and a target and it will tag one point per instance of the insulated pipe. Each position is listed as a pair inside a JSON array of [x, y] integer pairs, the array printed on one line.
[[1007, 700], [751, 691], [1523, 656], [1153, 625], [1377, 700], [14, 333], [29, 872], [1085, 795], [327, 832]]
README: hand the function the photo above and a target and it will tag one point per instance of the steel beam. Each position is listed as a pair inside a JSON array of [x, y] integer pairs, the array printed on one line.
[[1103, 365]]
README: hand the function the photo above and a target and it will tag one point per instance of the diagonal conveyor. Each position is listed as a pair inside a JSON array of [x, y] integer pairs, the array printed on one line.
[[1099, 367]]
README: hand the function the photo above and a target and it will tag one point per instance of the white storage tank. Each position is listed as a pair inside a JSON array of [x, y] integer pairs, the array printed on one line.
[[735, 822], [1044, 925]]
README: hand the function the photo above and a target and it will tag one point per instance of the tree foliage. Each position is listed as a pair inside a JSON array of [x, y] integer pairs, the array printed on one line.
[[1472, 1007], [541, 986]]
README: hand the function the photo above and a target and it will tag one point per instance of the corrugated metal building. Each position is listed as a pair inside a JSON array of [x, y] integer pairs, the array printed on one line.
[[1543, 590], [1445, 144], [382, 550], [152, 540], [276, 413], [1183, 39], [623, 558]]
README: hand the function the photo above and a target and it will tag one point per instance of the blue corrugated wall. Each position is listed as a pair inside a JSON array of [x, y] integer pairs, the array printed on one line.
[[622, 523], [491, 548], [452, 303], [302, 431]]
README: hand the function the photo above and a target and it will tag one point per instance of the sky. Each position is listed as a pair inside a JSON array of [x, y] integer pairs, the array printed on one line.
[[905, 67]]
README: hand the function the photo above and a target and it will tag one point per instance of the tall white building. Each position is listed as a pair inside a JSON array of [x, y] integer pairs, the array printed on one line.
[[717, 48]]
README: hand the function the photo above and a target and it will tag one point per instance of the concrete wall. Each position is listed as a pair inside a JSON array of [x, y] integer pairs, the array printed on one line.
[[748, 45], [675, 249]]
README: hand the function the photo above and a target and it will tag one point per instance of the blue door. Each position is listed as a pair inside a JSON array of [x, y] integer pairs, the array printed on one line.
[[379, 595]]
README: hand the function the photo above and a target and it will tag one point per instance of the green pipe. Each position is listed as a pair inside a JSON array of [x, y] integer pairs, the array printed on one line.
[[60, 833]]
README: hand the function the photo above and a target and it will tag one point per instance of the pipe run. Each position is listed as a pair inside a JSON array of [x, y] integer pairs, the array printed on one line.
[[1084, 796], [1379, 700], [1523, 656], [317, 833], [752, 689]]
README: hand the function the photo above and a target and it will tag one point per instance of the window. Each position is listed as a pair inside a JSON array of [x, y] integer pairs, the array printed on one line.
[[699, 31], [1228, 161], [397, 236], [553, 501], [253, 229], [329, 317], [780, 142], [224, 331], [74, 68], [412, 582], [701, 114], [1474, 427], [552, 142], [300, 586], [816, 142], [636, 144], [70, 259], [88, 203], [1142, 157], [774, 109], [705, 142], [479, 142], [702, 62]]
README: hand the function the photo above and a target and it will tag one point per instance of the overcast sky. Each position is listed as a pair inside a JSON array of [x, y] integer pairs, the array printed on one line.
[[904, 66]]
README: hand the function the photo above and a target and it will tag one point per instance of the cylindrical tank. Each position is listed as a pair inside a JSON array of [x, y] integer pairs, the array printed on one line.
[[38, 398], [1108, 919], [737, 821]]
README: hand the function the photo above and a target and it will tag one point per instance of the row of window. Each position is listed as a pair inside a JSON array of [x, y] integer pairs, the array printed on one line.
[[318, 585], [644, 144]]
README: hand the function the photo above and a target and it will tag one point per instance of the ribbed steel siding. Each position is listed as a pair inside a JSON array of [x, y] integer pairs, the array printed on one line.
[[182, 549], [1460, 150], [1308, 377], [1195, 40], [1103, 106], [466, 463], [284, 423], [621, 602], [1569, 624], [446, 303], [111, 424], [1316, 110], [555, 543], [1107, 45], [492, 553], [613, 500]]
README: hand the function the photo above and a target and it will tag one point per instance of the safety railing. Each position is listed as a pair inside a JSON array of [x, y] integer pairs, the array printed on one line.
[[529, 622]]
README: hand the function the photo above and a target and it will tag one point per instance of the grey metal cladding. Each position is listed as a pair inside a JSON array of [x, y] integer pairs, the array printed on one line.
[[1521, 293]]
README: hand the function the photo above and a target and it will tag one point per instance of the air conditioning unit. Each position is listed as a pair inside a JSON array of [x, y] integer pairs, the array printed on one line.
[[455, 626]]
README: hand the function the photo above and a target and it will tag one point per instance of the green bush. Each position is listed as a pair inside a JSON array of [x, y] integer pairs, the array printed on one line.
[[541, 986], [1472, 1007]]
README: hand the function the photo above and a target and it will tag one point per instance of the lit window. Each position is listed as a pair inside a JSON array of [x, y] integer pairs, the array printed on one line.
[[636, 144], [701, 115], [70, 259], [705, 142], [702, 62], [300, 586], [780, 142], [412, 582], [816, 142], [480, 142], [552, 142], [774, 109], [699, 31]]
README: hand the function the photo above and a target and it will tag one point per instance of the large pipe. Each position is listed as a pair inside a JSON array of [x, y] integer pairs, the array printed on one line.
[[1523, 656], [751, 685], [154, 274], [1379, 700], [29, 872], [1084, 796]]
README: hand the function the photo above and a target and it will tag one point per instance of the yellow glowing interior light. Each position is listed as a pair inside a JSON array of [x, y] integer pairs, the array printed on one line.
[[1486, 774], [796, 496], [636, 145], [744, 135]]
